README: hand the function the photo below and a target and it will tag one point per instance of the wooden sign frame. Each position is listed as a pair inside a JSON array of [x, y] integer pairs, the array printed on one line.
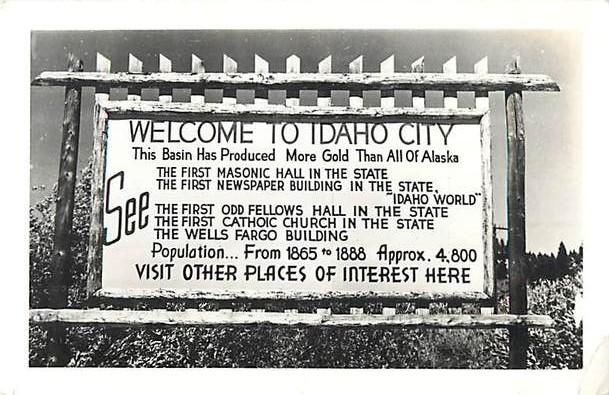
[[109, 110], [511, 84]]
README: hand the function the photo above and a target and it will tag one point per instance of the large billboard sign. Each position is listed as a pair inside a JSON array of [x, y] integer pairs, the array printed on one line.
[[320, 208]]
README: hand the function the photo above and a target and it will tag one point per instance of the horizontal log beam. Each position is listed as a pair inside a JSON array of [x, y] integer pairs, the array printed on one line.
[[252, 112], [186, 294], [164, 318], [305, 81]]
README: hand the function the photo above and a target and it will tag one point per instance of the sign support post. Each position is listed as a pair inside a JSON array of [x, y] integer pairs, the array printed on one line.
[[62, 257], [519, 335]]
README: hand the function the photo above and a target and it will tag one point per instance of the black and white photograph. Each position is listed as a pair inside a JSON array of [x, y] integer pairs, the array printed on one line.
[[247, 198], [284, 195]]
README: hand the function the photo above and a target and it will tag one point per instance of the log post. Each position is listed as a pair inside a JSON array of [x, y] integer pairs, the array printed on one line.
[[61, 263], [519, 335]]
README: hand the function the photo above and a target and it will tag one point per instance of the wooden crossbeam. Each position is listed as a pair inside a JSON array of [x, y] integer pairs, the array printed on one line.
[[304, 81], [174, 294], [164, 318], [249, 112]]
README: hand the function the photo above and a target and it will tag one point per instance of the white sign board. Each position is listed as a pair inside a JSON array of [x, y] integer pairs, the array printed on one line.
[[309, 208]]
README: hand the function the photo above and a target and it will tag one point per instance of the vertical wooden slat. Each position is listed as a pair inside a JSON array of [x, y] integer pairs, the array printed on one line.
[[356, 310], [102, 65], [261, 66], [61, 262], [421, 311], [292, 65], [516, 221], [229, 94], [324, 98], [196, 64], [388, 96], [135, 66], [455, 310], [388, 310], [481, 97], [356, 96], [450, 97], [487, 310], [165, 94], [418, 97], [197, 95]]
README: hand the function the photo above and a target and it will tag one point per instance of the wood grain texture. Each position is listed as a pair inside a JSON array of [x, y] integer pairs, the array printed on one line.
[[516, 220], [450, 97], [135, 67], [94, 259], [61, 262], [61, 259], [102, 65], [197, 94], [249, 112], [261, 66], [481, 67], [304, 81], [163, 318], [165, 66], [356, 96], [229, 92], [388, 96], [418, 93], [351, 296], [487, 206]]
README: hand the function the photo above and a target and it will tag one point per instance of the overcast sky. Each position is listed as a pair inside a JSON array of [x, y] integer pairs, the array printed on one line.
[[552, 120]]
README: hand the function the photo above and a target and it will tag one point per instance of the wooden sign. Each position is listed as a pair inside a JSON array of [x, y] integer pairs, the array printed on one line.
[[221, 202]]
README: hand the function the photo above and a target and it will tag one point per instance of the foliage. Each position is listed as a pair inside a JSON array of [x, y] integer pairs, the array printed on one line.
[[42, 231], [560, 346], [541, 266], [263, 346]]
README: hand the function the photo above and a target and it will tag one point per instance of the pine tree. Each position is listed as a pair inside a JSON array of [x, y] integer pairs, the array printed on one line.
[[563, 262]]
